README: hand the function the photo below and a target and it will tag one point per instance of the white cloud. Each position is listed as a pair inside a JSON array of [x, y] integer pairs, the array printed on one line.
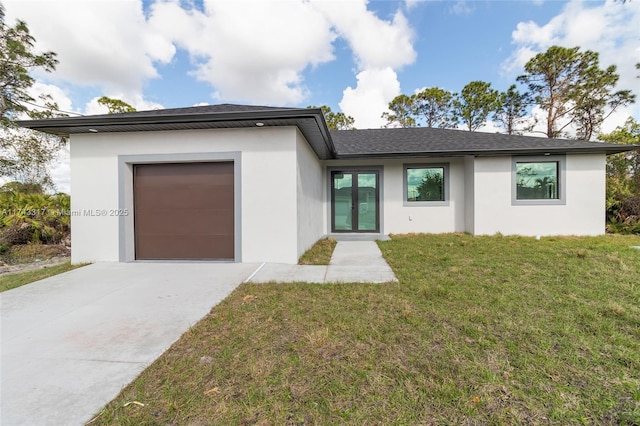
[[98, 42], [256, 51], [251, 51], [611, 29], [619, 117], [530, 33], [57, 94], [247, 50], [61, 171], [370, 98], [515, 63], [461, 7], [410, 4], [489, 127], [379, 48], [137, 101], [375, 43], [604, 28]]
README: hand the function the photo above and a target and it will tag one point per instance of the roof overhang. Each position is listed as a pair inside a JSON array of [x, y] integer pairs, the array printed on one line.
[[435, 142], [310, 122], [605, 149], [347, 145]]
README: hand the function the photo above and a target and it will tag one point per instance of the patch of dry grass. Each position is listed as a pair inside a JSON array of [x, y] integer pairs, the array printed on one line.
[[320, 253], [26, 253]]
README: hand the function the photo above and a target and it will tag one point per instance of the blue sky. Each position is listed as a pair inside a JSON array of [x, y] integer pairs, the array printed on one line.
[[453, 47], [351, 55]]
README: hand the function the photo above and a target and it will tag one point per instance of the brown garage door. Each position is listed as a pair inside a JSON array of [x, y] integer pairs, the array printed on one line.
[[184, 211]]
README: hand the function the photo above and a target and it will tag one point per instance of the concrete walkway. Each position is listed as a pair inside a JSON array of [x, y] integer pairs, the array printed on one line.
[[351, 262]]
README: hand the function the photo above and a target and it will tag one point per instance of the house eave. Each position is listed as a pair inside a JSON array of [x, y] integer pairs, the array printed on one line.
[[354, 144], [608, 150], [310, 122]]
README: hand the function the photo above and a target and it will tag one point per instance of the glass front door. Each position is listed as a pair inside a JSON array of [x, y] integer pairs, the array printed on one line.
[[355, 201]]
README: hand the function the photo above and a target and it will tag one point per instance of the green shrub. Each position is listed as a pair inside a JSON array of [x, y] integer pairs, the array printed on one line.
[[624, 215], [33, 217]]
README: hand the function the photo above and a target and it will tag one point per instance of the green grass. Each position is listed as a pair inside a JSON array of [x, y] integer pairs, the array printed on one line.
[[13, 280], [320, 253], [479, 330]]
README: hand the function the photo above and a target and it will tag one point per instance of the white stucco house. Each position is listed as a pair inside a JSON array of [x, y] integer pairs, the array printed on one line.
[[254, 184]]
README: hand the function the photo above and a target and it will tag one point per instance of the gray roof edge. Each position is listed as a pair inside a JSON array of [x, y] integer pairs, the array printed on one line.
[[324, 129], [186, 116], [464, 133], [151, 117], [589, 149]]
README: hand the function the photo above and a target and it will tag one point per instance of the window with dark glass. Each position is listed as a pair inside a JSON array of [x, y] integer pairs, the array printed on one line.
[[425, 183], [537, 180]]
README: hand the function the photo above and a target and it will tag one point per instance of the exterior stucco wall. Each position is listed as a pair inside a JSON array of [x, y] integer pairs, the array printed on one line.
[[94, 188], [310, 195], [469, 194], [267, 167], [396, 217], [480, 199], [282, 197], [583, 212]]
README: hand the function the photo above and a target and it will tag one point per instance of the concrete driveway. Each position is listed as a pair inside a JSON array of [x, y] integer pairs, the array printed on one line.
[[69, 343]]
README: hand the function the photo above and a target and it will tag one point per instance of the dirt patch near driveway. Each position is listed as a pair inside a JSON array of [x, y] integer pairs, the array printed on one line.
[[30, 257]]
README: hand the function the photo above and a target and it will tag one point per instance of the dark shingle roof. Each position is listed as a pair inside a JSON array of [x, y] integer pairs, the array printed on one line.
[[418, 141], [200, 109], [345, 144]]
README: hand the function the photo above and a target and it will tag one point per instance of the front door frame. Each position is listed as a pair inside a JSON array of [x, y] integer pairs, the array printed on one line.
[[378, 170]]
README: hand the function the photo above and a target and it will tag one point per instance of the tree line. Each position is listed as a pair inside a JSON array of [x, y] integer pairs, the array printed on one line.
[[567, 84]]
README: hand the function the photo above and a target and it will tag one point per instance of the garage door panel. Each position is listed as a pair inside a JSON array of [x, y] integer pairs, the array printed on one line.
[[184, 210], [187, 247], [179, 174], [191, 221], [190, 198], [161, 183]]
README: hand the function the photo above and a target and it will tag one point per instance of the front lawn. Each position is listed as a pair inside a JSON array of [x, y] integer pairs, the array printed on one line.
[[479, 330]]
